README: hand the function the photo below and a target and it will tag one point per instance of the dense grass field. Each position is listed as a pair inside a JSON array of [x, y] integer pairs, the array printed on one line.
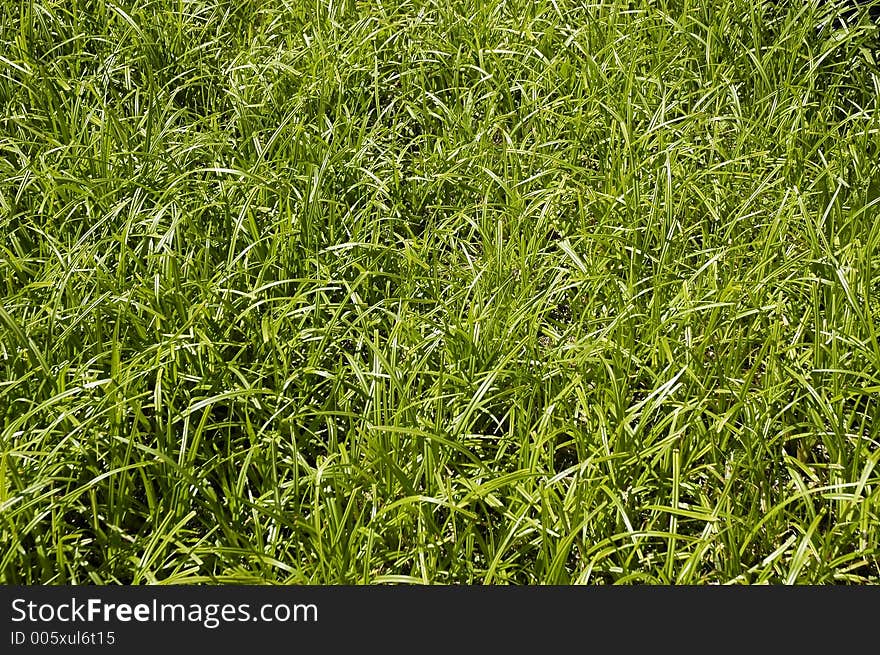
[[439, 291]]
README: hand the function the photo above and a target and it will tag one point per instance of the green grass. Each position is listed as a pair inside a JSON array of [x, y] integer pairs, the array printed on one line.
[[439, 291]]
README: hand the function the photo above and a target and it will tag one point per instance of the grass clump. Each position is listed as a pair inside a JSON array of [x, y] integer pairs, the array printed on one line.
[[439, 292]]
